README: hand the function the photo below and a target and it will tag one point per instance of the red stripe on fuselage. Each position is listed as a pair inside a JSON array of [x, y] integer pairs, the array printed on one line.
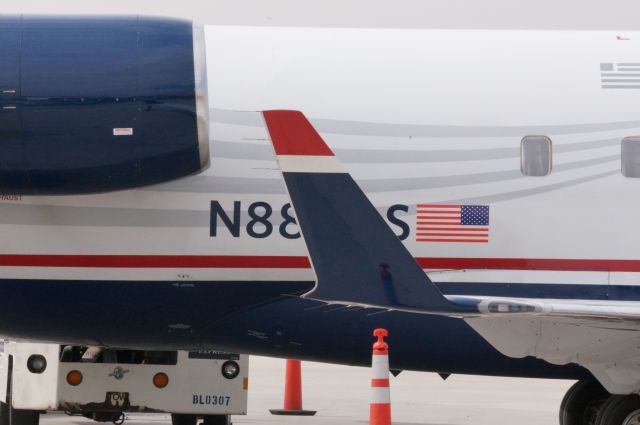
[[450, 240], [485, 234], [292, 134], [299, 262], [157, 261], [457, 229]]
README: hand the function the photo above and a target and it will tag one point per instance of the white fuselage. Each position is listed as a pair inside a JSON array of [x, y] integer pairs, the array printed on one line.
[[417, 117]]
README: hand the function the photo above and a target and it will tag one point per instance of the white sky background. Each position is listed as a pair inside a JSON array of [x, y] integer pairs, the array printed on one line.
[[488, 14]]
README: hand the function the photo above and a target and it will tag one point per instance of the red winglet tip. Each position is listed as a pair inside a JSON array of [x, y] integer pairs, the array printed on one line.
[[292, 134]]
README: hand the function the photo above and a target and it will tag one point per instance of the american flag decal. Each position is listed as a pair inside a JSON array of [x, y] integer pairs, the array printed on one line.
[[620, 75], [452, 223]]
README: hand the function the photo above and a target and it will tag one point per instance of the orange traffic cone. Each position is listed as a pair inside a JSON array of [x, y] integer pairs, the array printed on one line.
[[293, 392], [380, 410]]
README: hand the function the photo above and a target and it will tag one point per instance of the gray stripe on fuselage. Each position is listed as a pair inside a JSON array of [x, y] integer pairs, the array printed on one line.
[[252, 151], [50, 215], [507, 196], [620, 74], [392, 185], [418, 130], [37, 215], [243, 185], [620, 80]]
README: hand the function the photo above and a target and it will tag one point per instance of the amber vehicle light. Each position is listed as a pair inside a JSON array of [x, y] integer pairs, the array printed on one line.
[[74, 378], [160, 380]]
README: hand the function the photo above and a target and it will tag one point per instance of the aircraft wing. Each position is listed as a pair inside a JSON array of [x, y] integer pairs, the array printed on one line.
[[358, 260]]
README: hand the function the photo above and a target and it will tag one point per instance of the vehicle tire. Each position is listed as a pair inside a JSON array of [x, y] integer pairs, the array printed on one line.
[[104, 416], [4, 414], [620, 410], [24, 417], [216, 420], [181, 419], [9, 416], [582, 402]]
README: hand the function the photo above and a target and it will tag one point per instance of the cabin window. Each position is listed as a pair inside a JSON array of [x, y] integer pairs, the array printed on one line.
[[631, 157], [535, 156]]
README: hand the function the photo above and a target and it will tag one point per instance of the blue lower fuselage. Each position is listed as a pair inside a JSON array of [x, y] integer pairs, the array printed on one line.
[[269, 318]]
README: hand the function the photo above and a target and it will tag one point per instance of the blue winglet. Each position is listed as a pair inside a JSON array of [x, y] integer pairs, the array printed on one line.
[[357, 258]]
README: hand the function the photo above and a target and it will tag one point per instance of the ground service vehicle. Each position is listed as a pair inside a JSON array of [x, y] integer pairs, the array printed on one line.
[[105, 384]]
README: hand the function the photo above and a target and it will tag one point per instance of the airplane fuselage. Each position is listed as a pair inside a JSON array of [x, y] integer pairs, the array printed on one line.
[[421, 119]]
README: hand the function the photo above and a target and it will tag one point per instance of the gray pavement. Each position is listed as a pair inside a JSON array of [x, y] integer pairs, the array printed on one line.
[[340, 394]]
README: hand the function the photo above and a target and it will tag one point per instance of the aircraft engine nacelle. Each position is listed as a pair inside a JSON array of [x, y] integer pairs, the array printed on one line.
[[95, 104]]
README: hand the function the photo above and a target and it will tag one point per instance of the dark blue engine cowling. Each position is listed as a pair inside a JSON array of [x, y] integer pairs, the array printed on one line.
[[94, 104]]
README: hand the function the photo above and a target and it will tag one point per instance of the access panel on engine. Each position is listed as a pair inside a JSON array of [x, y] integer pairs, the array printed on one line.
[[79, 83], [12, 164]]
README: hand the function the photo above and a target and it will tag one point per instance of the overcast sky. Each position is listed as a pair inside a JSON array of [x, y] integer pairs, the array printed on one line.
[[528, 14]]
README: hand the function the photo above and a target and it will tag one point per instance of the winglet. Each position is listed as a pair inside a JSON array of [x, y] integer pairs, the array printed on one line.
[[357, 258], [292, 134], [298, 146]]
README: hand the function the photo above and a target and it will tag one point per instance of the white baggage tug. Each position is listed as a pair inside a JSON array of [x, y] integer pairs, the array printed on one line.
[[103, 384]]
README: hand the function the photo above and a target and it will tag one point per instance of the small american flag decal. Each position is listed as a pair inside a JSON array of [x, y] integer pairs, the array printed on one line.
[[452, 223], [620, 75]]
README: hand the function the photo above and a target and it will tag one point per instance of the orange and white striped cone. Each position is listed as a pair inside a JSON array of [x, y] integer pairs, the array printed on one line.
[[380, 410]]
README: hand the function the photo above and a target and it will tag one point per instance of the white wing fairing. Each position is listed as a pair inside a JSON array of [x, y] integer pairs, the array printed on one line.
[[609, 348], [358, 261]]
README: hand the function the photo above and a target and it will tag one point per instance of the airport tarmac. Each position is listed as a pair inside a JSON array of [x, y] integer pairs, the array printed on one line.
[[340, 394]]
